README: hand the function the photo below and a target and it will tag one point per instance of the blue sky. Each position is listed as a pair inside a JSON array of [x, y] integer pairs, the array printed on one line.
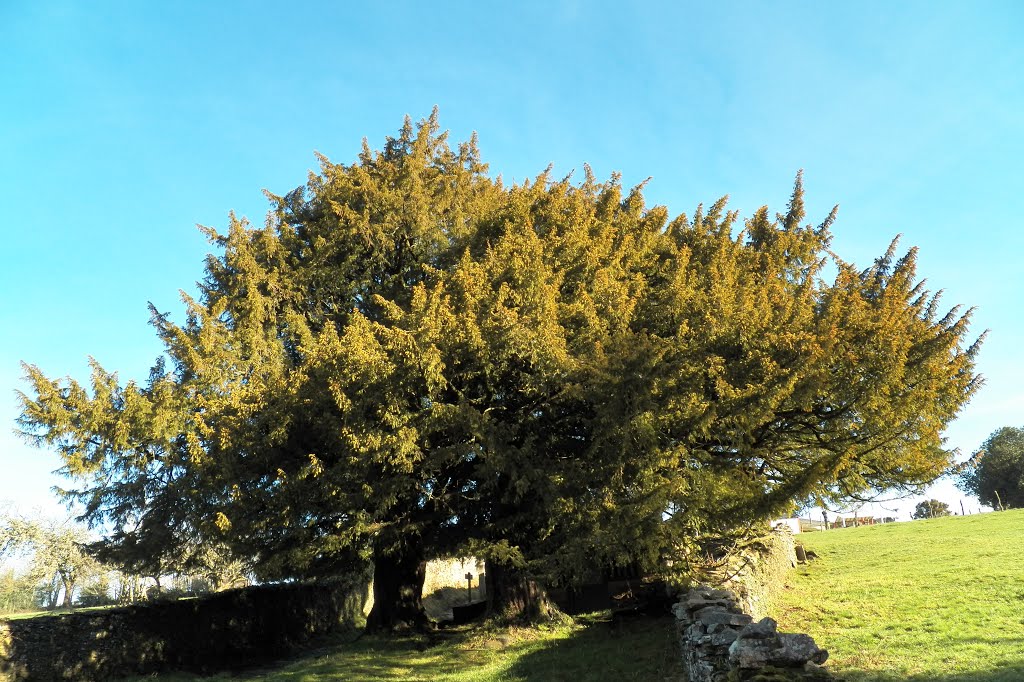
[[124, 124]]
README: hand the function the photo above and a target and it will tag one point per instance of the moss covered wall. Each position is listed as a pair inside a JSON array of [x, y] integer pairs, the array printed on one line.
[[755, 573], [759, 574], [227, 630], [725, 634]]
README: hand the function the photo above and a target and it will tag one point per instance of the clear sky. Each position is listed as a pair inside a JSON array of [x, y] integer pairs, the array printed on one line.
[[124, 124]]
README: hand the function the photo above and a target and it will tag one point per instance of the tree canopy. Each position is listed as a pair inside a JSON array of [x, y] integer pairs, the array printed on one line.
[[56, 553], [995, 474], [412, 358], [931, 509]]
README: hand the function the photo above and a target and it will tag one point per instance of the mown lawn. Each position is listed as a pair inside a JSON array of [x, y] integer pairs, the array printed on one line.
[[939, 600], [640, 649]]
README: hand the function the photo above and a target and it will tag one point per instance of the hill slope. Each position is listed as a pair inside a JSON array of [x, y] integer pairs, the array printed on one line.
[[939, 600]]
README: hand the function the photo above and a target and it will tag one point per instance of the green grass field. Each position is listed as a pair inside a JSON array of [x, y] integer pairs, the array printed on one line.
[[926, 601], [939, 600], [640, 650]]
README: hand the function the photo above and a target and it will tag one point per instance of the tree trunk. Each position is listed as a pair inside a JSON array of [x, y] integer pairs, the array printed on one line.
[[69, 588], [398, 590], [512, 596]]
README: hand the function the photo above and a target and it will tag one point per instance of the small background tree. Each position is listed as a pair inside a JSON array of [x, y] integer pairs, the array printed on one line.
[[931, 509], [996, 472], [57, 561], [17, 592]]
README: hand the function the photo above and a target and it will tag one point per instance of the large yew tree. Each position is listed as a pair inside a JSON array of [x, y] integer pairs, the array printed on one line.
[[411, 359]]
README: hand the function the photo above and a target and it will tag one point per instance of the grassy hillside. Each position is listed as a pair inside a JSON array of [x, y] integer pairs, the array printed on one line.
[[939, 600]]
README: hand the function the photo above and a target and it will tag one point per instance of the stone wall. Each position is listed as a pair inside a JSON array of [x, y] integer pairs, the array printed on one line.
[[720, 640], [757, 574], [227, 630], [721, 643]]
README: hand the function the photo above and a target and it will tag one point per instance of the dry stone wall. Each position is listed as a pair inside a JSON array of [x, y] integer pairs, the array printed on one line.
[[228, 630], [725, 635], [757, 574], [721, 643]]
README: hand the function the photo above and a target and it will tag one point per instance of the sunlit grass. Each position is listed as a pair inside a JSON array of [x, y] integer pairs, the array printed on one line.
[[21, 615], [937, 600]]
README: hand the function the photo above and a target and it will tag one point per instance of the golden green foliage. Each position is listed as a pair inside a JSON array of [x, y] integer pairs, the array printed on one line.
[[412, 356]]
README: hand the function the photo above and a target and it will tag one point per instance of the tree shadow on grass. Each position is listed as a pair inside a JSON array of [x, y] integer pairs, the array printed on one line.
[[641, 648], [380, 659], [376, 659]]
